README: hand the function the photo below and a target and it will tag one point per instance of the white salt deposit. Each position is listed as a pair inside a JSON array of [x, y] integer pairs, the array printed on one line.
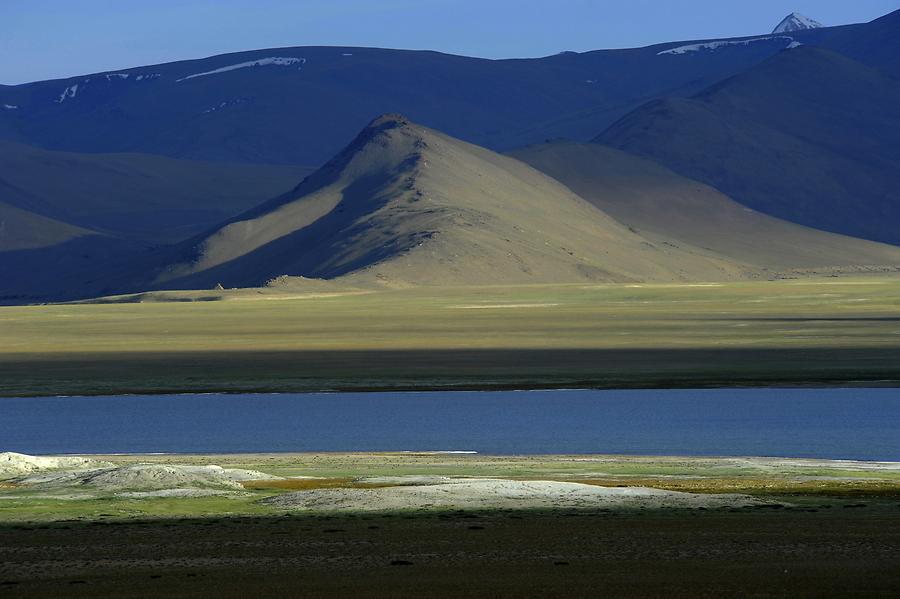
[[16, 464], [144, 477], [498, 494], [92, 478]]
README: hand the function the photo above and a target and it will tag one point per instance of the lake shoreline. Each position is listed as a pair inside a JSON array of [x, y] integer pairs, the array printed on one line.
[[466, 388], [887, 384], [762, 385]]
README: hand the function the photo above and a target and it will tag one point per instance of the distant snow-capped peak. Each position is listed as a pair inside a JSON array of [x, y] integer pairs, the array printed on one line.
[[796, 22]]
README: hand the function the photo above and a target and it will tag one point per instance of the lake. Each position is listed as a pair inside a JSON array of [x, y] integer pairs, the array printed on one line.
[[859, 424]]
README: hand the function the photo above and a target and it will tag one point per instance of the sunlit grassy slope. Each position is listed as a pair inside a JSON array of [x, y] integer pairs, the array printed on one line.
[[802, 331]]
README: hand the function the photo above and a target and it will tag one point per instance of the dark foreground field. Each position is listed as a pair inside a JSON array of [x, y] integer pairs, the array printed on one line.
[[822, 548]]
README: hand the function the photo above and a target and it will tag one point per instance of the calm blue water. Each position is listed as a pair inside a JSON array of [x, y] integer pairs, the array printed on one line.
[[828, 423]]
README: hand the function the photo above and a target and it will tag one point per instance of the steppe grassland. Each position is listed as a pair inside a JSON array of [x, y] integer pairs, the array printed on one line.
[[832, 312]]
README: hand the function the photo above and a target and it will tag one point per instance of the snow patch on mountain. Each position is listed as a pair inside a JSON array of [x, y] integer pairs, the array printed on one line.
[[710, 46], [111, 76], [69, 92], [278, 61], [225, 104], [796, 22], [10, 107]]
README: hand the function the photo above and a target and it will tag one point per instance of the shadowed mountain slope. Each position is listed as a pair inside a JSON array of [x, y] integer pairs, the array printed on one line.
[[143, 197], [404, 205], [69, 221], [664, 206], [876, 44], [24, 230], [76, 268], [809, 136]]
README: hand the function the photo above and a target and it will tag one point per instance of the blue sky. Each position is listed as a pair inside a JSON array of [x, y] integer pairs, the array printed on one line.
[[42, 39]]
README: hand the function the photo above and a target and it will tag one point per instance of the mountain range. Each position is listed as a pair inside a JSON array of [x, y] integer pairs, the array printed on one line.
[[808, 135], [757, 157], [302, 105]]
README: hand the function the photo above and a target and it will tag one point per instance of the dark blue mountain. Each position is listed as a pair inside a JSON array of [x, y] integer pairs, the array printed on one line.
[[809, 135], [301, 105]]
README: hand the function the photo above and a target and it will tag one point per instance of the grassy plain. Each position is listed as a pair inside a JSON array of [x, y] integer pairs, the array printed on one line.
[[804, 331]]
